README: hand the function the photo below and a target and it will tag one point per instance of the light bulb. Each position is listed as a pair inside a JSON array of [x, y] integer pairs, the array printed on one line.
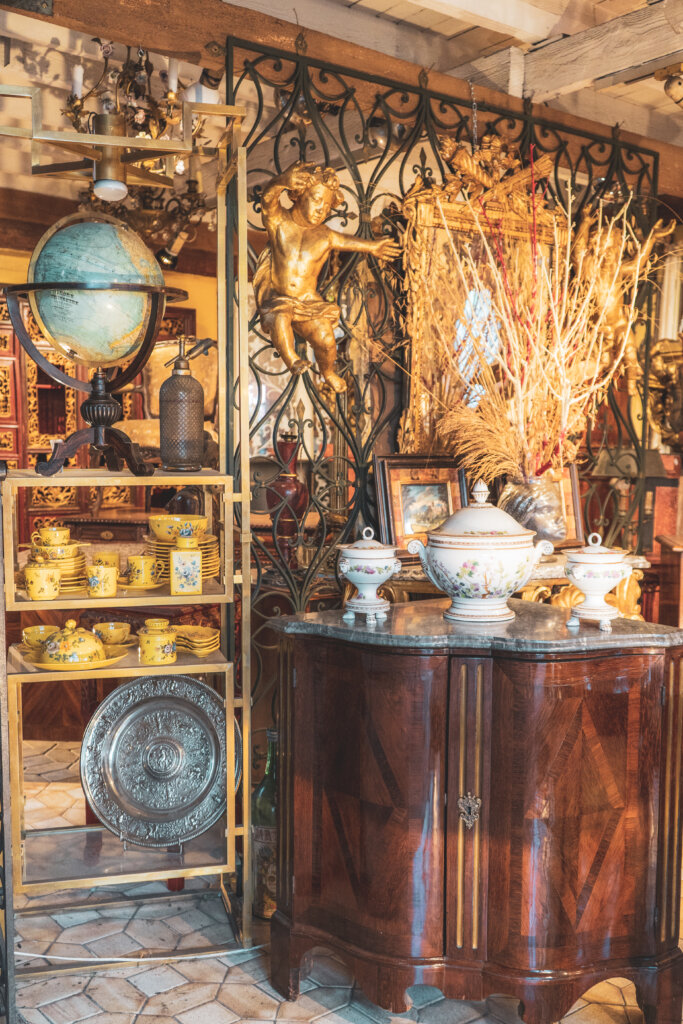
[[110, 190]]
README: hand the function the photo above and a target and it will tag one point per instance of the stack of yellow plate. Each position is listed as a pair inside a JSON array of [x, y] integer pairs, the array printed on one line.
[[71, 573], [208, 545], [197, 640]]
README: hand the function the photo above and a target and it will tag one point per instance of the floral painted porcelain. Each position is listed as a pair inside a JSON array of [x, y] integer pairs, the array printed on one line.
[[595, 570], [480, 556], [72, 645], [367, 564], [156, 643], [186, 567], [169, 527], [42, 580]]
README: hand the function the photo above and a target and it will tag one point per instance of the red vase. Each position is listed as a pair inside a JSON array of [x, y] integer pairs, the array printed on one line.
[[287, 500]]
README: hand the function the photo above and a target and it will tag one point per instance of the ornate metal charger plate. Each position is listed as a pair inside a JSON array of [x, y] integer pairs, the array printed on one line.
[[153, 760]]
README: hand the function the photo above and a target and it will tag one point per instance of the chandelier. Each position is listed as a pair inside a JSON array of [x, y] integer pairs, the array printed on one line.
[[130, 103]]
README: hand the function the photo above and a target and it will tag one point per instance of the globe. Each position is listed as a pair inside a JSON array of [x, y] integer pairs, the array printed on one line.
[[98, 328]]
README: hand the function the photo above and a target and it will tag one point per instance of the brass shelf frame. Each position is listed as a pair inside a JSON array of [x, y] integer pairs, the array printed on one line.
[[233, 428]]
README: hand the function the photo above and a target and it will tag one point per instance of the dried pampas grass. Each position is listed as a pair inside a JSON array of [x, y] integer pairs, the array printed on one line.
[[549, 327]]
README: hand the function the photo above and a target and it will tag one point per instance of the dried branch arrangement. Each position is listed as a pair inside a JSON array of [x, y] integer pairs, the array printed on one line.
[[532, 332]]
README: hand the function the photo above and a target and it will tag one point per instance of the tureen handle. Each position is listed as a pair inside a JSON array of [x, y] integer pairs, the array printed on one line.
[[397, 565], [544, 547], [416, 547], [344, 565]]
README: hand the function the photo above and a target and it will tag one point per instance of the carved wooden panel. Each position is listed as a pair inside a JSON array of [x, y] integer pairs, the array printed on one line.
[[8, 390], [576, 750]]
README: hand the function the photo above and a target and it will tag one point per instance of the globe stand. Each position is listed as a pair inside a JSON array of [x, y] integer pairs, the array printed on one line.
[[100, 410]]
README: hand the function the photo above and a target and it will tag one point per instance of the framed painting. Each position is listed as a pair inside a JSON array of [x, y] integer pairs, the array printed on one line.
[[415, 495]]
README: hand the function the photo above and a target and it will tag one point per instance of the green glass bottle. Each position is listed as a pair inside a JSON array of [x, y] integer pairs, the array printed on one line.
[[264, 834]]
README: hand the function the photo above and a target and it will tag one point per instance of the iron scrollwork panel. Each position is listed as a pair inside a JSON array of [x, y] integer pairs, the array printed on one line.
[[379, 135]]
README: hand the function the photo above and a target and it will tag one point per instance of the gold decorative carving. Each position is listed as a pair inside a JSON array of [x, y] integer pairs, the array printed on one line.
[[5, 391], [35, 438], [6, 440], [53, 497], [109, 497]]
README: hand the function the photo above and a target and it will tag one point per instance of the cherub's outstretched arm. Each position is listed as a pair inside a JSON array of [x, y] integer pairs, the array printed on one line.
[[384, 248]]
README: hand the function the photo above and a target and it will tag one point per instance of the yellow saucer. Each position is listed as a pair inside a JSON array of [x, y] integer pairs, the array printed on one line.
[[130, 642], [135, 586], [74, 666]]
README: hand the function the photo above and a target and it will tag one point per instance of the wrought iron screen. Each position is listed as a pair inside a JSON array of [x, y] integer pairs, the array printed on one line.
[[379, 135]]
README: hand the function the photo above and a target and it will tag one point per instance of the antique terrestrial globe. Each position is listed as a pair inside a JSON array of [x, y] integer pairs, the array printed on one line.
[[98, 328]]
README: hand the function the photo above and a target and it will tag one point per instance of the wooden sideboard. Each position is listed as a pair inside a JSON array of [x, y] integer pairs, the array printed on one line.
[[490, 810]]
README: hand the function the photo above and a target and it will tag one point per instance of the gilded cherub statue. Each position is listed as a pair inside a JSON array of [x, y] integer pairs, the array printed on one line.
[[287, 272]]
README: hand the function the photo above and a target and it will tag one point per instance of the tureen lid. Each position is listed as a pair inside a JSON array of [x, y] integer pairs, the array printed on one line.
[[368, 543], [595, 546], [482, 518]]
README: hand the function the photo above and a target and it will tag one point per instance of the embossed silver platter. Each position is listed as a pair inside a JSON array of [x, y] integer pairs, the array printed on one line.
[[153, 760]]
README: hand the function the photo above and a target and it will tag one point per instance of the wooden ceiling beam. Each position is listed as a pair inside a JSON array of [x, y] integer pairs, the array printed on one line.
[[626, 48]]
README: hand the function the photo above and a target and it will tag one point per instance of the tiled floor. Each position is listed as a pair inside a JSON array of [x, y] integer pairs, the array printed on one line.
[[213, 990]]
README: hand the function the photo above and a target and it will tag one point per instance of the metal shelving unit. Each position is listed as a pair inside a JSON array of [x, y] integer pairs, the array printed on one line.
[[50, 860]]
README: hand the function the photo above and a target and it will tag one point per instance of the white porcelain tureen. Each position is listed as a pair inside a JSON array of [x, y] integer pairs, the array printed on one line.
[[367, 564], [596, 570], [480, 556]]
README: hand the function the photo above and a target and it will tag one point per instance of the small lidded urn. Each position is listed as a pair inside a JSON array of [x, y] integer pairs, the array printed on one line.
[[367, 564], [595, 570]]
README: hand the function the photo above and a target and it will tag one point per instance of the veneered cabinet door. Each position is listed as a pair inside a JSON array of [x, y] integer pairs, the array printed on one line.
[[368, 738], [575, 796]]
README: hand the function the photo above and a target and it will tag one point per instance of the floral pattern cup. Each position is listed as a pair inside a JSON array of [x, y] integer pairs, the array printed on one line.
[[106, 558], [101, 580], [143, 570], [51, 536]]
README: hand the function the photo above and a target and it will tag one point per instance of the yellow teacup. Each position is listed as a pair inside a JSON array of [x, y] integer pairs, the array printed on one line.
[[51, 535], [107, 557], [42, 582], [35, 636], [112, 632], [101, 580], [156, 643], [144, 570]]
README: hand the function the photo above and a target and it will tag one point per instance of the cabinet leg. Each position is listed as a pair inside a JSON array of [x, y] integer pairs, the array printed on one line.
[[284, 977], [659, 992]]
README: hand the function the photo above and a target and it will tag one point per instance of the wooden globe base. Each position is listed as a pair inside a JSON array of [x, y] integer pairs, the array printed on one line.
[[101, 411]]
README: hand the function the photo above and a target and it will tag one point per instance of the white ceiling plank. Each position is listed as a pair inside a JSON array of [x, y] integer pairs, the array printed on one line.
[[363, 28], [518, 18], [632, 117], [651, 34]]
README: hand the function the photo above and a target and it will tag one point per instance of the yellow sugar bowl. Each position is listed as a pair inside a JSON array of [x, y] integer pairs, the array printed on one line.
[[71, 645], [42, 580], [156, 643], [112, 632]]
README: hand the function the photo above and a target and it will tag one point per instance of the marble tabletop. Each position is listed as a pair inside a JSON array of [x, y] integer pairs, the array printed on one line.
[[536, 628]]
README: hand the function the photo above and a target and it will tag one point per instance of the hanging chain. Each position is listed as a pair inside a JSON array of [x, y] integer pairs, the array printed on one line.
[[474, 115]]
